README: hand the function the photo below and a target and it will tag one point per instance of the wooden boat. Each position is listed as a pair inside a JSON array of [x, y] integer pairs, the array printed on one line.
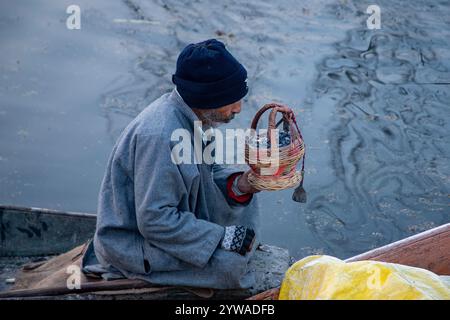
[[40, 232], [30, 233]]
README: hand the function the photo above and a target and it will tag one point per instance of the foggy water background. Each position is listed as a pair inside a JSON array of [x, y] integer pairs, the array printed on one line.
[[373, 105]]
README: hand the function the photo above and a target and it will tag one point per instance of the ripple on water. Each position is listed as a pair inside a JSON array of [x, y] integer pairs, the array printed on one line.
[[390, 144]]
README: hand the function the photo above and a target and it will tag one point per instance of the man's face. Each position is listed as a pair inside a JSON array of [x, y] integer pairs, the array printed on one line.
[[215, 117], [226, 113]]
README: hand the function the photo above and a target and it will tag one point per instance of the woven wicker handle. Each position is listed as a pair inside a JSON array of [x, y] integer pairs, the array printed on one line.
[[288, 116]]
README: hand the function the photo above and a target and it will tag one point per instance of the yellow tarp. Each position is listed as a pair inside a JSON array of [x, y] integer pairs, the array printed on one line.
[[325, 277]]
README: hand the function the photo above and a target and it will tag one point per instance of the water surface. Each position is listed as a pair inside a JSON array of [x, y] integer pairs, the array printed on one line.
[[373, 105]]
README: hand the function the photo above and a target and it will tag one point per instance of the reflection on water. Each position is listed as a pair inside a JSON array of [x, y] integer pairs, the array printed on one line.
[[390, 137], [372, 105]]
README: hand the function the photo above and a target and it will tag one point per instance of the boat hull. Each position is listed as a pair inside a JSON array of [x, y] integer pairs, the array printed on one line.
[[38, 232]]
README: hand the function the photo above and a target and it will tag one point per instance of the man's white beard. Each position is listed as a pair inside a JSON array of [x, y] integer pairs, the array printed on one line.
[[209, 120]]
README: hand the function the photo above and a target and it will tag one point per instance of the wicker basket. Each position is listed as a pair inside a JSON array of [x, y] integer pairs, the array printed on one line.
[[274, 168]]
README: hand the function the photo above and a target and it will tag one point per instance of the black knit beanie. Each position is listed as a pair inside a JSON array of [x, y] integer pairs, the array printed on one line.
[[208, 76]]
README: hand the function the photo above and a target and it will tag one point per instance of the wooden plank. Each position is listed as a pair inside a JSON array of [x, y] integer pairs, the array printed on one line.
[[47, 211], [86, 287], [428, 250], [35, 232]]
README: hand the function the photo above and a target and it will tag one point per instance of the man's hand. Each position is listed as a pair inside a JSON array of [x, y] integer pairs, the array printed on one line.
[[243, 184]]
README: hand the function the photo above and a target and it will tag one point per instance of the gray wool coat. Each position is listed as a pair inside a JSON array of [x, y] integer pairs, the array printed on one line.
[[171, 215]]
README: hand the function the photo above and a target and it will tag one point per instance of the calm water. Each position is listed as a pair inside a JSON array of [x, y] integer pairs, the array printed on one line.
[[373, 105]]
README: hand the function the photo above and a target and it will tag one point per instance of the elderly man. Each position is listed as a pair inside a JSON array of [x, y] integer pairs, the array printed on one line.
[[182, 224]]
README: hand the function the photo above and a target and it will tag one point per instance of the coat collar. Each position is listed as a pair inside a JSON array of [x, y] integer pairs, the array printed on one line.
[[179, 103], [182, 106]]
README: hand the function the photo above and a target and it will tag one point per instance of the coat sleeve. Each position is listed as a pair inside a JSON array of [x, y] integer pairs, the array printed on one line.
[[221, 174], [160, 185]]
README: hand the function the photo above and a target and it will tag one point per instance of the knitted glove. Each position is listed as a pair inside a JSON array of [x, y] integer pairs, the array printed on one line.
[[238, 239]]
